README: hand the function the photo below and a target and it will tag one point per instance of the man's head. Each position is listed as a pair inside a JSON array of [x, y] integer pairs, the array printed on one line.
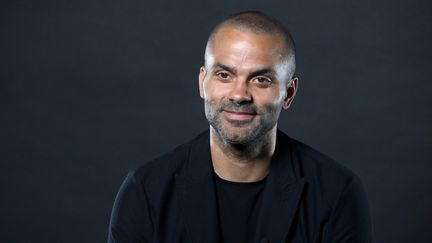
[[260, 24], [247, 78]]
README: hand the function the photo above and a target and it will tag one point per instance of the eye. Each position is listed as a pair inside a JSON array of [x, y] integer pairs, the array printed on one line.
[[224, 76], [262, 81]]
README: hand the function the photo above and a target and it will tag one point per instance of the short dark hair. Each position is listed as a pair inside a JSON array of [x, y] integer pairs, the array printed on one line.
[[259, 23]]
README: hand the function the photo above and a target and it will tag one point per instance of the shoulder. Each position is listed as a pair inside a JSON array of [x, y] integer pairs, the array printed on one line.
[[323, 174], [332, 191], [146, 192], [162, 169], [310, 159]]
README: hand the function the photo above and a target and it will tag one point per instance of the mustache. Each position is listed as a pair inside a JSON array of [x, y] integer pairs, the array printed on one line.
[[247, 108]]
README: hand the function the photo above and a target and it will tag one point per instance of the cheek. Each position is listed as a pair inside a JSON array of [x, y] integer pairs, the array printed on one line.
[[280, 96], [213, 91], [272, 98]]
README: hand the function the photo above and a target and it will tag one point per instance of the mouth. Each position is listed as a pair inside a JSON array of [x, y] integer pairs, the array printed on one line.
[[239, 116]]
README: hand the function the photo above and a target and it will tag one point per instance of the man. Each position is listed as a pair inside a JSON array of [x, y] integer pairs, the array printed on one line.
[[243, 180]]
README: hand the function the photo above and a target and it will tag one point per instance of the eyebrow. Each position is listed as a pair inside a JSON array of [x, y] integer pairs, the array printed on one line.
[[253, 73]]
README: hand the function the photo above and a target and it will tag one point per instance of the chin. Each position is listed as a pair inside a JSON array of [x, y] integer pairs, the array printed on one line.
[[238, 132], [236, 140], [237, 136]]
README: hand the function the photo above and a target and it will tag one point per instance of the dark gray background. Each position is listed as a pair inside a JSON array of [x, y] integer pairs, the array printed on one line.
[[92, 89]]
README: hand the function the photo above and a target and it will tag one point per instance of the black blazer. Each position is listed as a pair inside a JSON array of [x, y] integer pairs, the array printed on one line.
[[307, 198]]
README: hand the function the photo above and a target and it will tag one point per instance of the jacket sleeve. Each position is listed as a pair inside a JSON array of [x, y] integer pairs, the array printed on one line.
[[130, 218], [350, 221]]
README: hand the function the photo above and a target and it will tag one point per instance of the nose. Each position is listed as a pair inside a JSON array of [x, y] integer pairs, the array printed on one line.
[[240, 93]]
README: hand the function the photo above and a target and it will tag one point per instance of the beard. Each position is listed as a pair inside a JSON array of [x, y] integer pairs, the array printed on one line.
[[241, 132]]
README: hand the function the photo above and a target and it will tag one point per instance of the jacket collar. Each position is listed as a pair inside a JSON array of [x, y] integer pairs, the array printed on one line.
[[198, 194], [281, 194]]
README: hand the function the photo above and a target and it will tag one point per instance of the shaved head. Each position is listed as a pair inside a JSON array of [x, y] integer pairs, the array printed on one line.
[[260, 24]]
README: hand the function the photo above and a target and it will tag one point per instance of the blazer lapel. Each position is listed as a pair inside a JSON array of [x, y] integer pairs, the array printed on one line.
[[281, 197], [198, 200]]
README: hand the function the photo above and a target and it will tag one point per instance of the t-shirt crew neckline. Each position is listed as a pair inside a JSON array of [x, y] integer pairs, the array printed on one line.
[[239, 204]]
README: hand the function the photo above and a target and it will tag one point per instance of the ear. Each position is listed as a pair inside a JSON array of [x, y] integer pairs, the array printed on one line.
[[201, 77], [291, 92]]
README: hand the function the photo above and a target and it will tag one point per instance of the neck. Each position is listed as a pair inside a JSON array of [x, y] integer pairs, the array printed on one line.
[[242, 162]]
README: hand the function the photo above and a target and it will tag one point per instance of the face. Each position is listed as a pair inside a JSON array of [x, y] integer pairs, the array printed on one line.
[[245, 84]]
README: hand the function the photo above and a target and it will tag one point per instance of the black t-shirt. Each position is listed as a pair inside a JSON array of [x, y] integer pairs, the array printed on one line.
[[239, 205]]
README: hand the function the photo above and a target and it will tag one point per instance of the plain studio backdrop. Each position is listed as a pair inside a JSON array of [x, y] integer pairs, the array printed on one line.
[[93, 89]]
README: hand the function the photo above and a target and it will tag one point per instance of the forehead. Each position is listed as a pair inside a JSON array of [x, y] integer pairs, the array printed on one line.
[[242, 48]]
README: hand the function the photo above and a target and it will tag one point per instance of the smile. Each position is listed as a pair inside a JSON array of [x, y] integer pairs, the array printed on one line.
[[239, 116]]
